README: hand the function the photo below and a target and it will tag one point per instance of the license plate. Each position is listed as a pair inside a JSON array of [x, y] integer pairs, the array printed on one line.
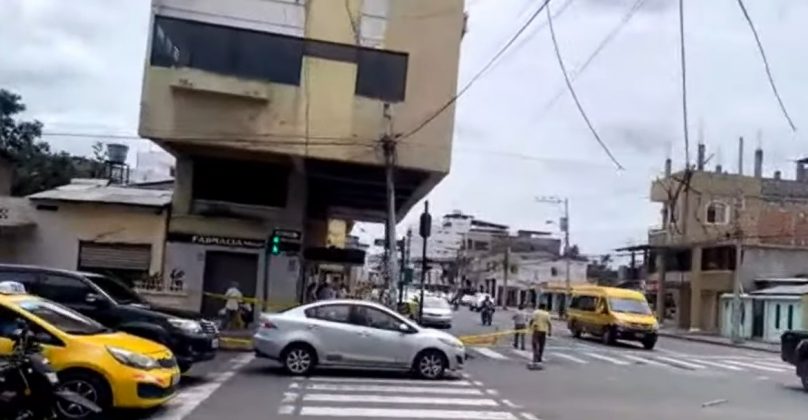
[[175, 379], [214, 344]]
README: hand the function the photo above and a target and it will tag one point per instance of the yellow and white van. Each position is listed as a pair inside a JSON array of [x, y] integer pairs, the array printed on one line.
[[612, 314]]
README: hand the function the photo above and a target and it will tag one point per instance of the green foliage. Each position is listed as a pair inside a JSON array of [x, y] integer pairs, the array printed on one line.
[[37, 168]]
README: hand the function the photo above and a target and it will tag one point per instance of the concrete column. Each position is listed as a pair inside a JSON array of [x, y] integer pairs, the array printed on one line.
[[183, 181], [695, 289]]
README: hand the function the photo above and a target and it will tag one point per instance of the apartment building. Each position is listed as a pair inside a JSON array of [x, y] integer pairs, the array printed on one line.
[[274, 110], [706, 216]]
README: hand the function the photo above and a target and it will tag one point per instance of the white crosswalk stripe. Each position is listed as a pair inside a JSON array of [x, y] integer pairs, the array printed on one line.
[[608, 359], [568, 357], [324, 397], [717, 364], [485, 351], [644, 360], [682, 363], [756, 366]]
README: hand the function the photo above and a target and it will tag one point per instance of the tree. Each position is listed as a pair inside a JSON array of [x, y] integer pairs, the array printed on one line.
[[37, 168]]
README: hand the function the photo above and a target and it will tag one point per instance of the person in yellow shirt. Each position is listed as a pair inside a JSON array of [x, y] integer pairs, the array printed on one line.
[[540, 327]]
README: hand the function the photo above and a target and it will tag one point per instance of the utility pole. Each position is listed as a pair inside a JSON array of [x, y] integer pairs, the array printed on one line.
[[736, 284], [424, 230], [389, 148], [565, 225], [506, 270]]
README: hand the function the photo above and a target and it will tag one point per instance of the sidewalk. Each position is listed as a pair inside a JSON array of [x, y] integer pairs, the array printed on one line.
[[236, 340], [718, 340]]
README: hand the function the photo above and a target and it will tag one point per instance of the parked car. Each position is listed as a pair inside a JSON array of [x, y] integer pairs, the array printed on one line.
[[355, 334], [437, 312], [111, 369], [115, 305], [794, 350], [611, 314], [466, 300]]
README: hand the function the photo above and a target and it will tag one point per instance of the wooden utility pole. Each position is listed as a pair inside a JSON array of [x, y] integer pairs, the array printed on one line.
[[737, 306], [506, 270], [389, 149]]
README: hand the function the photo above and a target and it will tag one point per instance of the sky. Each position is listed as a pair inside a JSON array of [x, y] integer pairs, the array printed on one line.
[[79, 67]]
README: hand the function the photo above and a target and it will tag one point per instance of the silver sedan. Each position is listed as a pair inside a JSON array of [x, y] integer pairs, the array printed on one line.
[[355, 334]]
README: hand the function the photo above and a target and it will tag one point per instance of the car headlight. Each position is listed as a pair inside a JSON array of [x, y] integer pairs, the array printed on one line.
[[132, 359], [451, 342], [187, 325]]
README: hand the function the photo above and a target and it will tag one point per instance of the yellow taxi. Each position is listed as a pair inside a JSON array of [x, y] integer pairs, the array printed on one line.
[[611, 314], [112, 369]]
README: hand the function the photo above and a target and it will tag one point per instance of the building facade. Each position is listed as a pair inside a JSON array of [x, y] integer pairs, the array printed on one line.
[[706, 217], [274, 111]]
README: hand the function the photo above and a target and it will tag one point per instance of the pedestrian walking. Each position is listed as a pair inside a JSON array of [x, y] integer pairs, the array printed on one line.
[[326, 292], [232, 307], [540, 328], [519, 325]]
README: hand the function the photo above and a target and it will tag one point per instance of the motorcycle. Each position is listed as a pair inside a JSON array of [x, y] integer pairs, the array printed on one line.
[[487, 314], [29, 387]]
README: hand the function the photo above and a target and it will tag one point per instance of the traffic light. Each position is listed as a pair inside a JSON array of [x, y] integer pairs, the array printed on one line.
[[276, 245]]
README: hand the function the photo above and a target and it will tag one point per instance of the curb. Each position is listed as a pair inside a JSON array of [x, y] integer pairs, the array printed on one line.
[[235, 344], [718, 343]]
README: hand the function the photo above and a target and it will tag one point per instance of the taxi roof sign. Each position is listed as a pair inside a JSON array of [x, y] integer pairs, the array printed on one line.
[[12, 288]]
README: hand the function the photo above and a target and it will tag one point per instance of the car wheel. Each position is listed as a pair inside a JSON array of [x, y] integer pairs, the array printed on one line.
[[184, 367], [805, 383], [298, 359], [608, 336], [649, 343], [89, 386], [430, 364], [576, 331]]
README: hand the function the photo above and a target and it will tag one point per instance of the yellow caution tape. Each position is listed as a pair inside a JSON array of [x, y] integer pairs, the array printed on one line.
[[488, 339], [268, 304]]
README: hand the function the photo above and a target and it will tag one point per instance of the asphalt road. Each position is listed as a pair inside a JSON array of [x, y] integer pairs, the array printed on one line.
[[582, 379]]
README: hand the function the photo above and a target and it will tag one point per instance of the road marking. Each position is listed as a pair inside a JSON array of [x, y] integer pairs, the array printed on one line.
[[489, 353], [680, 363], [774, 365], [465, 375], [529, 416], [568, 357], [608, 359], [523, 353], [286, 409], [187, 400], [510, 404], [492, 392], [644, 360], [754, 366], [390, 381], [721, 365], [289, 397], [390, 399], [395, 389], [406, 413]]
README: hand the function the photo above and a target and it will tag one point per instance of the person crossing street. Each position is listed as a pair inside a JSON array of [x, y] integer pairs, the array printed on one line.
[[540, 327], [519, 325]]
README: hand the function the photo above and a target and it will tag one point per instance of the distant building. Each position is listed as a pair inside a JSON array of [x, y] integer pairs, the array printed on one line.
[[700, 219]]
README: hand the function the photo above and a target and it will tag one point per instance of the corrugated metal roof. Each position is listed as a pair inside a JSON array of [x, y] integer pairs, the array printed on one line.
[[100, 192], [783, 290]]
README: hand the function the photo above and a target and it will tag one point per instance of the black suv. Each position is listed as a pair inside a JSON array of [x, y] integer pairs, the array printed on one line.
[[112, 303]]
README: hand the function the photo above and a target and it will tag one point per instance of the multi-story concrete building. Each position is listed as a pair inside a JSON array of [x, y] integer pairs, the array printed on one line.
[[274, 110], [704, 213]]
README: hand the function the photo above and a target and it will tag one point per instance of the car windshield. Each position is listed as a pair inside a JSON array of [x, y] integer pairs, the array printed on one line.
[[629, 306], [62, 318], [435, 302], [115, 289]]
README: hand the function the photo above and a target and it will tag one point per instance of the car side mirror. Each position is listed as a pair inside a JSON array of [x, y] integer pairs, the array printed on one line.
[[404, 328]]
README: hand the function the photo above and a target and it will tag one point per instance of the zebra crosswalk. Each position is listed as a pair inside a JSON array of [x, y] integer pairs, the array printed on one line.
[[327, 397], [693, 363]]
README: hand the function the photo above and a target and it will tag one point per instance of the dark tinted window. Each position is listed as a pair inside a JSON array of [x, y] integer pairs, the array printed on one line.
[[374, 318], [8, 324], [586, 303], [26, 278], [244, 182], [334, 313], [117, 290], [64, 289], [381, 75], [227, 51]]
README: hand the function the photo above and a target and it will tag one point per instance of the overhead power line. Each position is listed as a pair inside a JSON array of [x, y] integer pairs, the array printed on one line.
[[766, 65], [601, 46], [477, 76], [572, 91]]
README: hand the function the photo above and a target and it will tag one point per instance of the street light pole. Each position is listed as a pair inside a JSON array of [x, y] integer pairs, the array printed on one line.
[[565, 227]]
